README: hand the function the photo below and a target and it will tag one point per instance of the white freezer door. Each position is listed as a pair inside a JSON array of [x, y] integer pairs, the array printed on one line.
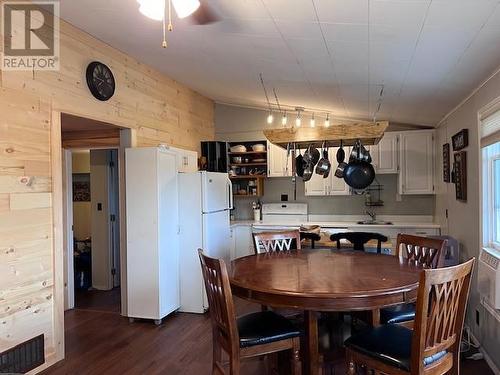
[[216, 235], [216, 192], [216, 239]]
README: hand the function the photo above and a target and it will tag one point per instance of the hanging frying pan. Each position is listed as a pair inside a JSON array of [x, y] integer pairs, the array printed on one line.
[[299, 164], [339, 172], [359, 174]]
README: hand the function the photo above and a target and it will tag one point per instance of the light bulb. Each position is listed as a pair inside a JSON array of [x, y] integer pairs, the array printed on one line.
[[184, 8], [270, 118], [298, 121], [284, 119], [327, 121], [313, 121], [154, 9]]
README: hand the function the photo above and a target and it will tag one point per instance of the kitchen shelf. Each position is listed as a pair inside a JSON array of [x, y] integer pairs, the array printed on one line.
[[250, 164], [252, 185], [252, 177], [247, 153]]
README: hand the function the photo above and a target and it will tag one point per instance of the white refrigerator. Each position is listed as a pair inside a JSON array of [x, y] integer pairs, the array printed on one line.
[[205, 199]]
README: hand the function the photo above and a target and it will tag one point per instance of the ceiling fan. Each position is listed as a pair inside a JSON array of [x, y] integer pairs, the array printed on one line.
[[200, 12]]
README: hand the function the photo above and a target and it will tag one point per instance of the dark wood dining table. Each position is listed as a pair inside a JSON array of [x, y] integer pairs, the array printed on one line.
[[323, 280]]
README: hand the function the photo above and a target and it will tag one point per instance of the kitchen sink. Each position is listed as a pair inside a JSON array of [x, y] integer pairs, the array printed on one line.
[[375, 222]]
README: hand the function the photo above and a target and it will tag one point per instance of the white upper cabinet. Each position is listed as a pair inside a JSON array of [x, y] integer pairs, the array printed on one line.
[[317, 185], [331, 185], [385, 154], [416, 160], [337, 186], [187, 161], [277, 161]]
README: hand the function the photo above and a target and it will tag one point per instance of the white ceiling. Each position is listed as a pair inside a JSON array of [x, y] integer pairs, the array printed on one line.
[[326, 54]]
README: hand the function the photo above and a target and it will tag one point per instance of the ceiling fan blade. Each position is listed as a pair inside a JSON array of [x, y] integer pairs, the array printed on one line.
[[204, 15]]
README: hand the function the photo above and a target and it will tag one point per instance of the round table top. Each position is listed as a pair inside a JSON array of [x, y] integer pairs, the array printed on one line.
[[325, 279]]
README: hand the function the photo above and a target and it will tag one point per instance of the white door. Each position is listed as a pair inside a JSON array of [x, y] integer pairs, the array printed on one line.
[[277, 161], [216, 191], [187, 161], [168, 234], [317, 185], [417, 162], [337, 186], [385, 154], [216, 235], [243, 240]]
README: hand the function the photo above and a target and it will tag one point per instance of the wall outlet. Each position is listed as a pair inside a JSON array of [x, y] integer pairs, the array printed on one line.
[[284, 197]]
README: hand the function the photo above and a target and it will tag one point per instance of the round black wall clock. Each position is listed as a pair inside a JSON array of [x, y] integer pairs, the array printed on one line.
[[100, 81]]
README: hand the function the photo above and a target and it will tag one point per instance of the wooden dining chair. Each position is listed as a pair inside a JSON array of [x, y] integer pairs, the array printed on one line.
[[423, 251], [359, 239], [251, 335], [267, 242], [433, 347]]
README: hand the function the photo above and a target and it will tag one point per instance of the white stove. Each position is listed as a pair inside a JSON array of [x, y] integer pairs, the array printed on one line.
[[286, 213]]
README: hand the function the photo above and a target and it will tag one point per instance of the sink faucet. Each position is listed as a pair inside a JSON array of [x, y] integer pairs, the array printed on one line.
[[372, 214]]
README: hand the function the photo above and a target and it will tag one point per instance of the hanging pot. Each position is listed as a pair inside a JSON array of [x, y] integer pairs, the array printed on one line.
[[323, 163], [364, 154], [329, 167], [315, 156], [339, 172], [299, 165], [308, 171], [359, 174]]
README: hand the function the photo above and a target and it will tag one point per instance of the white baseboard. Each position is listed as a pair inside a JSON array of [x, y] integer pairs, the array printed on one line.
[[494, 312], [487, 358]]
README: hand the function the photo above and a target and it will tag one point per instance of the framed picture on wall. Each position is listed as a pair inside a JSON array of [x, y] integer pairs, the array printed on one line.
[[460, 140], [446, 162], [81, 187], [460, 169]]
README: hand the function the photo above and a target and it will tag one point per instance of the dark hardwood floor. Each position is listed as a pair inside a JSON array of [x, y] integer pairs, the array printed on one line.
[[100, 341], [98, 300]]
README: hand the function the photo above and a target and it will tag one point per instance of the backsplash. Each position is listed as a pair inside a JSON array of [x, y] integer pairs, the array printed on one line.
[[338, 205]]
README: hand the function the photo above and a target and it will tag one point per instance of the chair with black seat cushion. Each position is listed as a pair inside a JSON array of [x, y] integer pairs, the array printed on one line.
[[423, 251], [433, 347], [359, 239], [268, 242], [248, 336]]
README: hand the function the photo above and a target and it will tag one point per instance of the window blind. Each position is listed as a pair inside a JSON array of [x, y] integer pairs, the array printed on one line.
[[490, 129]]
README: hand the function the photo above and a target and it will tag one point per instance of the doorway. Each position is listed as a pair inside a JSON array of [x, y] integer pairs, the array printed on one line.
[[92, 202]]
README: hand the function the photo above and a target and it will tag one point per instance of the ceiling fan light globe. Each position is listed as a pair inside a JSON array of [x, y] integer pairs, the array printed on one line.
[[184, 8], [154, 9]]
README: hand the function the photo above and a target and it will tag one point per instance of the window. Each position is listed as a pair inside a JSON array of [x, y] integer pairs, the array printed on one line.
[[490, 143]]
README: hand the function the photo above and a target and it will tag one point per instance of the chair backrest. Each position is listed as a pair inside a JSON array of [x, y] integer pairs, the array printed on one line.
[[220, 301], [359, 239], [424, 251], [441, 303], [276, 241]]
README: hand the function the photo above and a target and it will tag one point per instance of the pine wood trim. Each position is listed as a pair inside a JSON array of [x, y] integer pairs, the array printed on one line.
[[58, 241]]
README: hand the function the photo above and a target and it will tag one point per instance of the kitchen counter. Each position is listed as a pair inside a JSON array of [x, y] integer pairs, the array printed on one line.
[[242, 239], [338, 224]]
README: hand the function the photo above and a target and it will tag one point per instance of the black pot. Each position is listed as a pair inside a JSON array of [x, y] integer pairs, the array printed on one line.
[[359, 174], [299, 165]]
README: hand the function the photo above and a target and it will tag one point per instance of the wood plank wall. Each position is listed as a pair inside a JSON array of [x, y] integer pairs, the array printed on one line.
[[157, 107]]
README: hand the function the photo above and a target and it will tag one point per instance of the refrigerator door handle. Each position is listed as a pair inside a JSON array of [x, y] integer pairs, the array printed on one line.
[[229, 187]]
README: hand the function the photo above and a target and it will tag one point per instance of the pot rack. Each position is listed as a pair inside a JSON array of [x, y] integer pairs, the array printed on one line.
[[370, 133]]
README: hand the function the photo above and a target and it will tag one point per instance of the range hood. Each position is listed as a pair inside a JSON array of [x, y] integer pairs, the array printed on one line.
[[370, 133]]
